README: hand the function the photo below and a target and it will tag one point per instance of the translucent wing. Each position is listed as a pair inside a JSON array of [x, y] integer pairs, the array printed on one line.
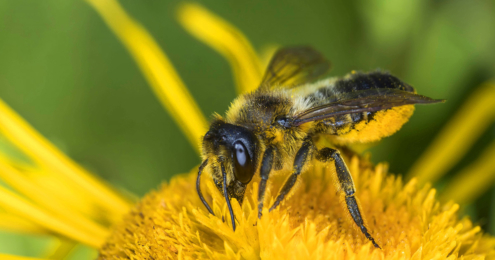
[[294, 66], [369, 100]]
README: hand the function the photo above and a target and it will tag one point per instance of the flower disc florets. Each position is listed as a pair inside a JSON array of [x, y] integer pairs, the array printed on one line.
[[406, 221]]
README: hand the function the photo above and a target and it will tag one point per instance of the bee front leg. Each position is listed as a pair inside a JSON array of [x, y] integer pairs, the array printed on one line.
[[266, 168], [227, 197], [301, 158], [198, 187], [347, 186]]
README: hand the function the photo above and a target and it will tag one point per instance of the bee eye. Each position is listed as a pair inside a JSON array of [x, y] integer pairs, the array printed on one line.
[[243, 166]]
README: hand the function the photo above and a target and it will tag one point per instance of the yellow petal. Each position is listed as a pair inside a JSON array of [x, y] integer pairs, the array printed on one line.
[[17, 205], [472, 119], [60, 249], [33, 144], [266, 54], [61, 208], [473, 180], [67, 194], [156, 68], [9, 222], [11, 257], [225, 39]]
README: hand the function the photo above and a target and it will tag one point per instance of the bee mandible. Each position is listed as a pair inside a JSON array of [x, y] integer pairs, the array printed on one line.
[[281, 120]]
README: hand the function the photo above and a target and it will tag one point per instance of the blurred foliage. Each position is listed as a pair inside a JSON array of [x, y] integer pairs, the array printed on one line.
[[68, 75]]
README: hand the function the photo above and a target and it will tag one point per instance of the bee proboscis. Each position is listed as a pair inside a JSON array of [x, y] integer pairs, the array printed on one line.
[[280, 121]]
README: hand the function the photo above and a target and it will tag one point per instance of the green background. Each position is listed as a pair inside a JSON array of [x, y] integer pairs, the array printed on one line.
[[65, 72]]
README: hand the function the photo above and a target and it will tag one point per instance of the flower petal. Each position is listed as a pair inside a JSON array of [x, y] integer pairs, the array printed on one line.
[[473, 180], [45, 154], [11, 257], [453, 142], [225, 39], [60, 249], [156, 68], [50, 203], [9, 222], [19, 206]]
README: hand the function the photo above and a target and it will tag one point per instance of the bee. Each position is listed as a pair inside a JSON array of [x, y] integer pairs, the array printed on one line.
[[283, 118]]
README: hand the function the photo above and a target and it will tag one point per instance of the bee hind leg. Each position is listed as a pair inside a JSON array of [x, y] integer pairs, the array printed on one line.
[[299, 161], [346, 186], [266, 168]]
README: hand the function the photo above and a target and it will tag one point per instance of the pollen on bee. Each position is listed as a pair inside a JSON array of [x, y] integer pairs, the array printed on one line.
[[385, 123]]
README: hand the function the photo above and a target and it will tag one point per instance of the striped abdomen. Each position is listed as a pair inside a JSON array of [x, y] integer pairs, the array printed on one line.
[[365, 126]]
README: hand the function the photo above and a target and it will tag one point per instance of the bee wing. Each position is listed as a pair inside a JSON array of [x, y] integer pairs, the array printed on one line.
[[294, 66], [369, 100]]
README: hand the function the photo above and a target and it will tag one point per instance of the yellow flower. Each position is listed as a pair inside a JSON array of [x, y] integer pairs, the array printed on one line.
[[56, 196], [406, 220]]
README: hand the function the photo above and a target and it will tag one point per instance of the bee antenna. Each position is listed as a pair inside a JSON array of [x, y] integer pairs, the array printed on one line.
[[226, 195], [198, 186]]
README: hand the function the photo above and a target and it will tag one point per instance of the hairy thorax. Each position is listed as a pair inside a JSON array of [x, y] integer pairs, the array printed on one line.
[[266, 114]]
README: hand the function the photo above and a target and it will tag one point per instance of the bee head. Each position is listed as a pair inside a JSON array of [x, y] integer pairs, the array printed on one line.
[[234, 146]]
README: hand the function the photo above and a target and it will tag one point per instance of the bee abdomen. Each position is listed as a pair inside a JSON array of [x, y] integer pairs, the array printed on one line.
[[357, 81]]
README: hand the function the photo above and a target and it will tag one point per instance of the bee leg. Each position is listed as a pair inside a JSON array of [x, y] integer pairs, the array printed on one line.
[[226, 195], [347, 186], [198, 187], [301, 157], [266, 167]]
